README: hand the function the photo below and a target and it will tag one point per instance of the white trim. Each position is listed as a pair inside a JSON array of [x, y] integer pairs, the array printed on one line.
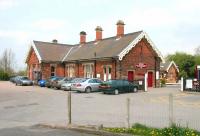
[[135, 41], [67, 54], [172, 62], [36, 51]]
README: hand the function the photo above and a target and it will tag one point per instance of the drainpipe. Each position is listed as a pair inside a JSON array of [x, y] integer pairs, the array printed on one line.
[[78, 68], [155, 71], [115, 60]]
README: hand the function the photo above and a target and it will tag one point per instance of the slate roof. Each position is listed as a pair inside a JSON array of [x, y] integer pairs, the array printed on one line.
[[106, 48], [164, 66], [51, 51]]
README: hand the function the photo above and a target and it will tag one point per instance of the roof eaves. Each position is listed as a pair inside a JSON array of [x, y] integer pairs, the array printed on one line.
[[135, 41], [172, 62], [36, 51]]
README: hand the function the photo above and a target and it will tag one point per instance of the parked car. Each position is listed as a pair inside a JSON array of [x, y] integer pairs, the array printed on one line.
[[13, 79], [23, 80], [86, 85], [50, 80], [67, 86], [118, 86], [42, 83], [57, 83]]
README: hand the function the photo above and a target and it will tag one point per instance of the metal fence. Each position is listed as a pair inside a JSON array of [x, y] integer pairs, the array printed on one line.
[[124, 112]]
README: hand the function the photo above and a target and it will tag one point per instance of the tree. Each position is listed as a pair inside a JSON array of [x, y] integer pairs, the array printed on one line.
[[185, 62], [7, 61], [197, 51]]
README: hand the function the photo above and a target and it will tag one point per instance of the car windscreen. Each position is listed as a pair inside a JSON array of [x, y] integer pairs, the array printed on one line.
[[24, 78]]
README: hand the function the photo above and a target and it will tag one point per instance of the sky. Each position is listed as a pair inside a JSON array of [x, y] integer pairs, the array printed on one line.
[[173, 25]]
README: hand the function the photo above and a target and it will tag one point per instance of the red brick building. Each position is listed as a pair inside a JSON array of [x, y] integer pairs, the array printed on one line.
[[169, 71], [127, 56]]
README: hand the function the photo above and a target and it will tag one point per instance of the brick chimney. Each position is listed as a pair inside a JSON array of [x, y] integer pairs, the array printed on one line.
[[82, 37], [98, 33], [120, 28]]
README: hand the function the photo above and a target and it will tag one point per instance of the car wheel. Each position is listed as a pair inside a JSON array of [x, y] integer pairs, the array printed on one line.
[[135, 89], [116, 92], [88, 89]]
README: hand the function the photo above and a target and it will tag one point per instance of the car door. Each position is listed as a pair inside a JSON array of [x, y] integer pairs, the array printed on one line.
[[120, 86], [92, 84], [126, 86]]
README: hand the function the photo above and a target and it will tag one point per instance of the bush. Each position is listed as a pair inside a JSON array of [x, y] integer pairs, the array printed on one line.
[[4, 76], [163, 82], [142, 130]]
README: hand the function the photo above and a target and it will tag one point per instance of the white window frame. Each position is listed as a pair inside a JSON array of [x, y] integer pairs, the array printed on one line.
[[71, 70], [88, 70]]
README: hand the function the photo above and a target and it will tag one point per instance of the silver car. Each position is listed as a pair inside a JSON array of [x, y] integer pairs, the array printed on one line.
[[67, 86], [23, 80], [86, 85]]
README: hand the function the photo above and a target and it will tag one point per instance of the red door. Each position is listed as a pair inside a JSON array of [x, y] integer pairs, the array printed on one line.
[[150, 79], [130, 76]]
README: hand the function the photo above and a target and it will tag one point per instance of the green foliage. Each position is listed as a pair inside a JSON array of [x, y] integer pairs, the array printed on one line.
[[163, 82], [3, 75], [21, 73], [143, 130], [186, 63]]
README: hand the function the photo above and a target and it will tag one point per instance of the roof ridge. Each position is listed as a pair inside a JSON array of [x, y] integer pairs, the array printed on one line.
[[110, 37], [78, 44], [61, 44]]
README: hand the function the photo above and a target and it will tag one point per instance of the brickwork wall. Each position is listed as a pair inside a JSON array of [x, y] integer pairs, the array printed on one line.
[[142, 52]]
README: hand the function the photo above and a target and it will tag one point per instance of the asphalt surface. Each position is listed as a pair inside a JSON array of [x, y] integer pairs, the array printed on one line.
[[30, 105], [38, 131]]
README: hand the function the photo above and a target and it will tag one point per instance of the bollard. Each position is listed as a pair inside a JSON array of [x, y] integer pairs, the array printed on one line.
[[69, 101], [128, 112]]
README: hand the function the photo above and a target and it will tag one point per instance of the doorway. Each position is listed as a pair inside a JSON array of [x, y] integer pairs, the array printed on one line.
[[150, 79], [130, 76]]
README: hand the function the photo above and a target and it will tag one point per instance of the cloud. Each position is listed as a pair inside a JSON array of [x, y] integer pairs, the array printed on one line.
[[18, 35], [49, 24], [7, 4]]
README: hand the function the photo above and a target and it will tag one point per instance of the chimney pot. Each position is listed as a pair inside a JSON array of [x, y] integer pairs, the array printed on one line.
[[120, 28], [82, 37], [98, 33]]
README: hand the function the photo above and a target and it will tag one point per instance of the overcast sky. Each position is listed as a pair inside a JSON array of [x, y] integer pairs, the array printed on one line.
[[173, 25]]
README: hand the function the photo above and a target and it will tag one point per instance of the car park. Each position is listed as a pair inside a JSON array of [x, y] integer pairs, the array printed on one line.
[[118, 86], [86, 85], [23, 80], [57, 83], [67, 86]]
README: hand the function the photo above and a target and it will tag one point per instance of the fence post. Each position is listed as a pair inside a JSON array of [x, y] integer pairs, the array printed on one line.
[[128, 112], [171, 120], [182, 84], [69, 102]]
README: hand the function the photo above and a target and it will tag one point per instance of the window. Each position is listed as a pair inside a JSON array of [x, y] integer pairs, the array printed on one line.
[[88, 70], [71, 72], [53, 69]]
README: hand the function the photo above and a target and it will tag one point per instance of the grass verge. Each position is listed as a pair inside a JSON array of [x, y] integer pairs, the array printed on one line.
[[142, 130]]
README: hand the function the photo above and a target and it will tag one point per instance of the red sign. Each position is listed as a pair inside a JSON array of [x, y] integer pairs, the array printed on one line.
[[141, 65]]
